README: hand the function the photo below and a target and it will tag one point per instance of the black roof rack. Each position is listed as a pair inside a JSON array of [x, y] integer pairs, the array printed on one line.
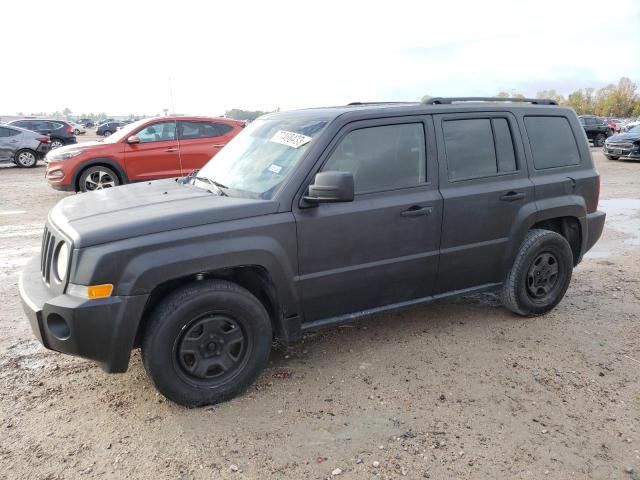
[[449, 100]]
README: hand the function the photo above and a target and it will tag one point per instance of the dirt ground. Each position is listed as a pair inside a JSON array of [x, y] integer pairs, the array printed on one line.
[[462, 389]]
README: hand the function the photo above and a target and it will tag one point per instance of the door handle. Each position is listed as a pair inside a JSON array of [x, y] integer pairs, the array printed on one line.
[[512, 196], [172, 149], [416, 211], [219, 145]]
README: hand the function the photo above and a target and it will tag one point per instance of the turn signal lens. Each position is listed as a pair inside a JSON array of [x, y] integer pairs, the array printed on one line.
[[90, 292]]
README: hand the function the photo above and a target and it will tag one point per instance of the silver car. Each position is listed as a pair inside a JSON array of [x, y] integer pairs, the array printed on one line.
[[22, 147]]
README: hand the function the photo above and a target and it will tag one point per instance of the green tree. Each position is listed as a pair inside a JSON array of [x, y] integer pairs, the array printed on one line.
[[239, 114]]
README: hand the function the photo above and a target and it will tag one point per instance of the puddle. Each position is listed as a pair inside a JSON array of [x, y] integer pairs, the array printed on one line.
[[623, 218]]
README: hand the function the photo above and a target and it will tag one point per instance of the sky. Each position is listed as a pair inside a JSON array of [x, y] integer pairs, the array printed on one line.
[[204, 57]]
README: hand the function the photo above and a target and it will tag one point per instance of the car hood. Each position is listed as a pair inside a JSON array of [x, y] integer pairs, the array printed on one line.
[[624, 137], [145, 208]]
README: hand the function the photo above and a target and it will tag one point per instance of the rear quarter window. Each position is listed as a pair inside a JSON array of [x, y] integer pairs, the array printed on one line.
[[552, 142]]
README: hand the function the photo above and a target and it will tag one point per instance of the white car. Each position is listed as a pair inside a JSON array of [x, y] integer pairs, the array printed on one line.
[[78, 129]]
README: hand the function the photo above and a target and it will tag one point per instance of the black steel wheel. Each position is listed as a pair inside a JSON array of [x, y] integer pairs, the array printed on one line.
[[211, 350], [540, 274], [599, 140], [206, 342]]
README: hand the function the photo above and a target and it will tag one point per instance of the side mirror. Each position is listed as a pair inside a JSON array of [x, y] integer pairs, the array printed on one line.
[[133, 139], [331, 187]]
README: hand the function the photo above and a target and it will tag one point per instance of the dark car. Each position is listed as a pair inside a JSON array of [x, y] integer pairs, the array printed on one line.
[[315, 218], [59, 131], [108, 128], [623, 145], [22, 147], [596, 128], [87, 122]]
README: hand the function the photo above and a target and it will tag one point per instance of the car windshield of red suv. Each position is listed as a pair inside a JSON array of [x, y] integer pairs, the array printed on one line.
[[263, 155], [125, 131]]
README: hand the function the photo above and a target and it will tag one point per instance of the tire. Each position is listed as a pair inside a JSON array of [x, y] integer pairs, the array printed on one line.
[[611, 157], [56, 143], [97, 177], [76, 132], [26, 158], [530, 287], [190, 371], [107, 133], [599, 140]]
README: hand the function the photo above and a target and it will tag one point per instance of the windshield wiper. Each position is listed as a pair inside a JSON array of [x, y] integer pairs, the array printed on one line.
[[218, 185]]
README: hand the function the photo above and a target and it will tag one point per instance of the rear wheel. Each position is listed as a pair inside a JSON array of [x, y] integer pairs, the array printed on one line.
[[599, 140], [540, 274], [97, 178], [56, 143], [26, 158], [206, 342], [107, 133]]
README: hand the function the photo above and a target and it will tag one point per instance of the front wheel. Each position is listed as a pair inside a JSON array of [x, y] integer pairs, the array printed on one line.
[[599, 140], [540, 274], [206, 342], [107, 133], [97, 178]]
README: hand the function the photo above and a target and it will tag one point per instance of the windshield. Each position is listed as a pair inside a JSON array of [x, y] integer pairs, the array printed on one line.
[[264, 154], [635, 129], [125, 131]]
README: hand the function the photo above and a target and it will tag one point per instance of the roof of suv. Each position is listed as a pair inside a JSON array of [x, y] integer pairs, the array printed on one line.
[[434, 105]]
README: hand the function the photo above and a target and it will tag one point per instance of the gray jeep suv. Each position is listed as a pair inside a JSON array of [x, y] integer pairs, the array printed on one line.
[[314, 218]]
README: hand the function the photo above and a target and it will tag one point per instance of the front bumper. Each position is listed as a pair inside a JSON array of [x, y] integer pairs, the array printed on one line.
[[623, 153], [102, 330]]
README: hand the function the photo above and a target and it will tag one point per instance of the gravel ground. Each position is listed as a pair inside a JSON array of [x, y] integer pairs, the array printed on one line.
[[462, 389]]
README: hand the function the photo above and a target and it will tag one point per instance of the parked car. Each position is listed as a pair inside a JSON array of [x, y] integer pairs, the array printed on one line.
[[613, 125], [596, 128], [87, 122], [629, 125], [143, 150], [60, 132], [315, 218], [78, 128], [22, 147], [108, 128], [623, 145]]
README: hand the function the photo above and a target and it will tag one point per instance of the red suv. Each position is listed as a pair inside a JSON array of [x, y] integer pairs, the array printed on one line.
[[148, 149]]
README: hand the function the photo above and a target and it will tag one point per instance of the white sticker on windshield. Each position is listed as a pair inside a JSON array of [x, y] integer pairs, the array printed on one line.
[[290, 139], [275, 168]]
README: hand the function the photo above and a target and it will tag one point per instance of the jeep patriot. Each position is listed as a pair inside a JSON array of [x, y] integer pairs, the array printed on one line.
[[313, 218]]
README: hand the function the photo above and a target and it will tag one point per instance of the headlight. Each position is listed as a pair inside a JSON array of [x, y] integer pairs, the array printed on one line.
[[62, 261], [55, 155]]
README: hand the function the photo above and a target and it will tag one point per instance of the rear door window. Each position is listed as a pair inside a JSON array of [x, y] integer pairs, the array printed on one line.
[[552, 142], [8, 132], [478, 147], [191, 130]]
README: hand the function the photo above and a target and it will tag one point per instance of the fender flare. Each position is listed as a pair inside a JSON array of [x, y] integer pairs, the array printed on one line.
[[99, 161]]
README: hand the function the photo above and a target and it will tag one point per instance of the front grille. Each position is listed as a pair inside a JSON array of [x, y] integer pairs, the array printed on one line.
[[621, 145], [46, 254]]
